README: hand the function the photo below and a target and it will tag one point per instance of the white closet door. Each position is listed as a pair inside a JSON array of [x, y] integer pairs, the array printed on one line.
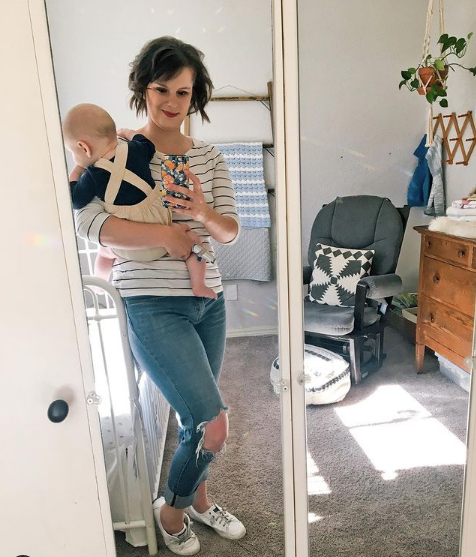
[[52, 488]]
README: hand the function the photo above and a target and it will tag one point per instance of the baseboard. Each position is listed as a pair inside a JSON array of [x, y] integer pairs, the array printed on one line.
[[252, 332]]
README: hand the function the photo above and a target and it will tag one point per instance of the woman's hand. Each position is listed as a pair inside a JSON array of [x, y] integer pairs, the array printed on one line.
[[126, 133], [179, 244], [220, 227], [196, 207], [76, 173]]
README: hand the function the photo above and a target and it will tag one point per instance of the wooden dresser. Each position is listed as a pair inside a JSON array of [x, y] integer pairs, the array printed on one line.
[[446, 297]]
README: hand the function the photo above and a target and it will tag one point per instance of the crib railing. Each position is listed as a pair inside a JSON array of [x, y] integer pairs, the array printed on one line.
[[155, 412], [148, 409]]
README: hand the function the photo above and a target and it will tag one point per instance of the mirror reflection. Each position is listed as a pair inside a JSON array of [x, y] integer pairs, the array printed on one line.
[[160, 175], [385, 429]]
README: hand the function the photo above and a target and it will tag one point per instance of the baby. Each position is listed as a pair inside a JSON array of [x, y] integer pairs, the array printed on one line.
[[118, 174]]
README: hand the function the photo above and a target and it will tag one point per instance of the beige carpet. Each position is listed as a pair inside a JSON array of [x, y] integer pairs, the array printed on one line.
[[354, 511]]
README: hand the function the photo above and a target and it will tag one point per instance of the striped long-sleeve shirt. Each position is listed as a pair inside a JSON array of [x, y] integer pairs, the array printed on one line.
[[167, 276]]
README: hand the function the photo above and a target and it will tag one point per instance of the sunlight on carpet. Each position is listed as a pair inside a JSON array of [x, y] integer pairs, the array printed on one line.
[[397, 433], [316, 484]]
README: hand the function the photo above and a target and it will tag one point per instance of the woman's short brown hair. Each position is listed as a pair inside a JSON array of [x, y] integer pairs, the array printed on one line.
[[164, 58]]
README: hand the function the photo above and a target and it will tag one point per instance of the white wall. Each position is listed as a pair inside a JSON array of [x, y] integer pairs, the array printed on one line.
[[94, 43], [358, 130], [460, 18]]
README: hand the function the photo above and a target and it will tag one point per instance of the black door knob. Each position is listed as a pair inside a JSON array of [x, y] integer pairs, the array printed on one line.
[[57, 411]]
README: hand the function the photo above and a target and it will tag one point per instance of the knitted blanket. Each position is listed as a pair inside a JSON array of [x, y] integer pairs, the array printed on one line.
[[245, 162]]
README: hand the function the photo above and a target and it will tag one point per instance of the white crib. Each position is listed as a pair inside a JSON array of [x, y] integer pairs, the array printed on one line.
[[133, 414]]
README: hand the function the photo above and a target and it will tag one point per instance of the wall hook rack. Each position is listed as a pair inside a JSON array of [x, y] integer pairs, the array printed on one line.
[[242, 98], [453, 135]]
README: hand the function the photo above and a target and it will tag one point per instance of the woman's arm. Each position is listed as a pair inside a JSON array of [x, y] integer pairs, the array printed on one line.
[[97, 226], [76, 173], [221, 222], [221, 228], [127, 234]]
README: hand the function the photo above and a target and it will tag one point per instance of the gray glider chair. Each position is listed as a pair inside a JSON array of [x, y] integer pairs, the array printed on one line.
[[362, 222]]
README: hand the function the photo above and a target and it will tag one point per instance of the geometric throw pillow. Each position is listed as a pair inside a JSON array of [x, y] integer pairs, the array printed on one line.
[[336, 274]]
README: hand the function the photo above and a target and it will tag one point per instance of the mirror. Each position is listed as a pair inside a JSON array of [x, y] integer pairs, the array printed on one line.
[[93, 45], [386, 456]]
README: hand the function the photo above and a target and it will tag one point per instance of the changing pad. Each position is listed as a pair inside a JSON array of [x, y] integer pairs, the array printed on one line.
[[249, 258]]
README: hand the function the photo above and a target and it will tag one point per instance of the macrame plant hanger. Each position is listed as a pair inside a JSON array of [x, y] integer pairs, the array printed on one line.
[[426, 52]]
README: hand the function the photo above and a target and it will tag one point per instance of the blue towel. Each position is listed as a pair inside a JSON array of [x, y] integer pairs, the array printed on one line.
[[420, 185], [245, 162]]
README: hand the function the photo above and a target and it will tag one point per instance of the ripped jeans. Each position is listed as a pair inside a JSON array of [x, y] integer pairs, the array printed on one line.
[[179, 341]]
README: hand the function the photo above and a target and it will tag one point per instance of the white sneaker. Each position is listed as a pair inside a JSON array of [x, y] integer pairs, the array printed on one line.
[[223, 522], [183, 543]]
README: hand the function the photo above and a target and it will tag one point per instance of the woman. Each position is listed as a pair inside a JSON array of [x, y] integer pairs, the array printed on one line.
[[176, 338]]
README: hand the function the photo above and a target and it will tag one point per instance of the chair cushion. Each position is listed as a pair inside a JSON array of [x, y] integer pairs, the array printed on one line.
[[334, 320], [360, 222], [336, 274]]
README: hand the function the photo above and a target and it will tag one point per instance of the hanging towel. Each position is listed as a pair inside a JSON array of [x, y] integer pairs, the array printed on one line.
[[245, 162], [436, 202], [420, 184], [249, 258]]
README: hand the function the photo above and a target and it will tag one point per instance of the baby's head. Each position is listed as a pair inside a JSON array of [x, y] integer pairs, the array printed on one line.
[[89, 133]]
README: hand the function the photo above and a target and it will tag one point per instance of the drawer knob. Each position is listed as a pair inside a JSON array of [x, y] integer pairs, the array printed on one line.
[[461, 253], [436, 279], [428, 244], [432, 318]]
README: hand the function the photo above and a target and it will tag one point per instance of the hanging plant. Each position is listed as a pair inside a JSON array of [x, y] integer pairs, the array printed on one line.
[[430, 76]]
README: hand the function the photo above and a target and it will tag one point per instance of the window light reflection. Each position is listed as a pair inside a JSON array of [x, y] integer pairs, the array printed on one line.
[[114, 360]]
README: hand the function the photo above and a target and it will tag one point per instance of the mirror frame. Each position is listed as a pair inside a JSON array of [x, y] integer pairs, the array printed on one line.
[[468, 534], [46, 80], [288, 231], [291, 333], [291, 338], [287, 20], [291, 78]]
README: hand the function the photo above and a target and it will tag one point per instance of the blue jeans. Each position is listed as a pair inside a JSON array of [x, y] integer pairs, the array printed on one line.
[[179, 341]]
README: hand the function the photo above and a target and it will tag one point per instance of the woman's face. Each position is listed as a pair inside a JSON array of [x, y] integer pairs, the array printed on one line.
[[168, 101]]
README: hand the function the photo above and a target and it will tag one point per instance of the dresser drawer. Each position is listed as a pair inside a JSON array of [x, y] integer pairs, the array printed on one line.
[[446, 326], [449, 284], [458, 252]]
